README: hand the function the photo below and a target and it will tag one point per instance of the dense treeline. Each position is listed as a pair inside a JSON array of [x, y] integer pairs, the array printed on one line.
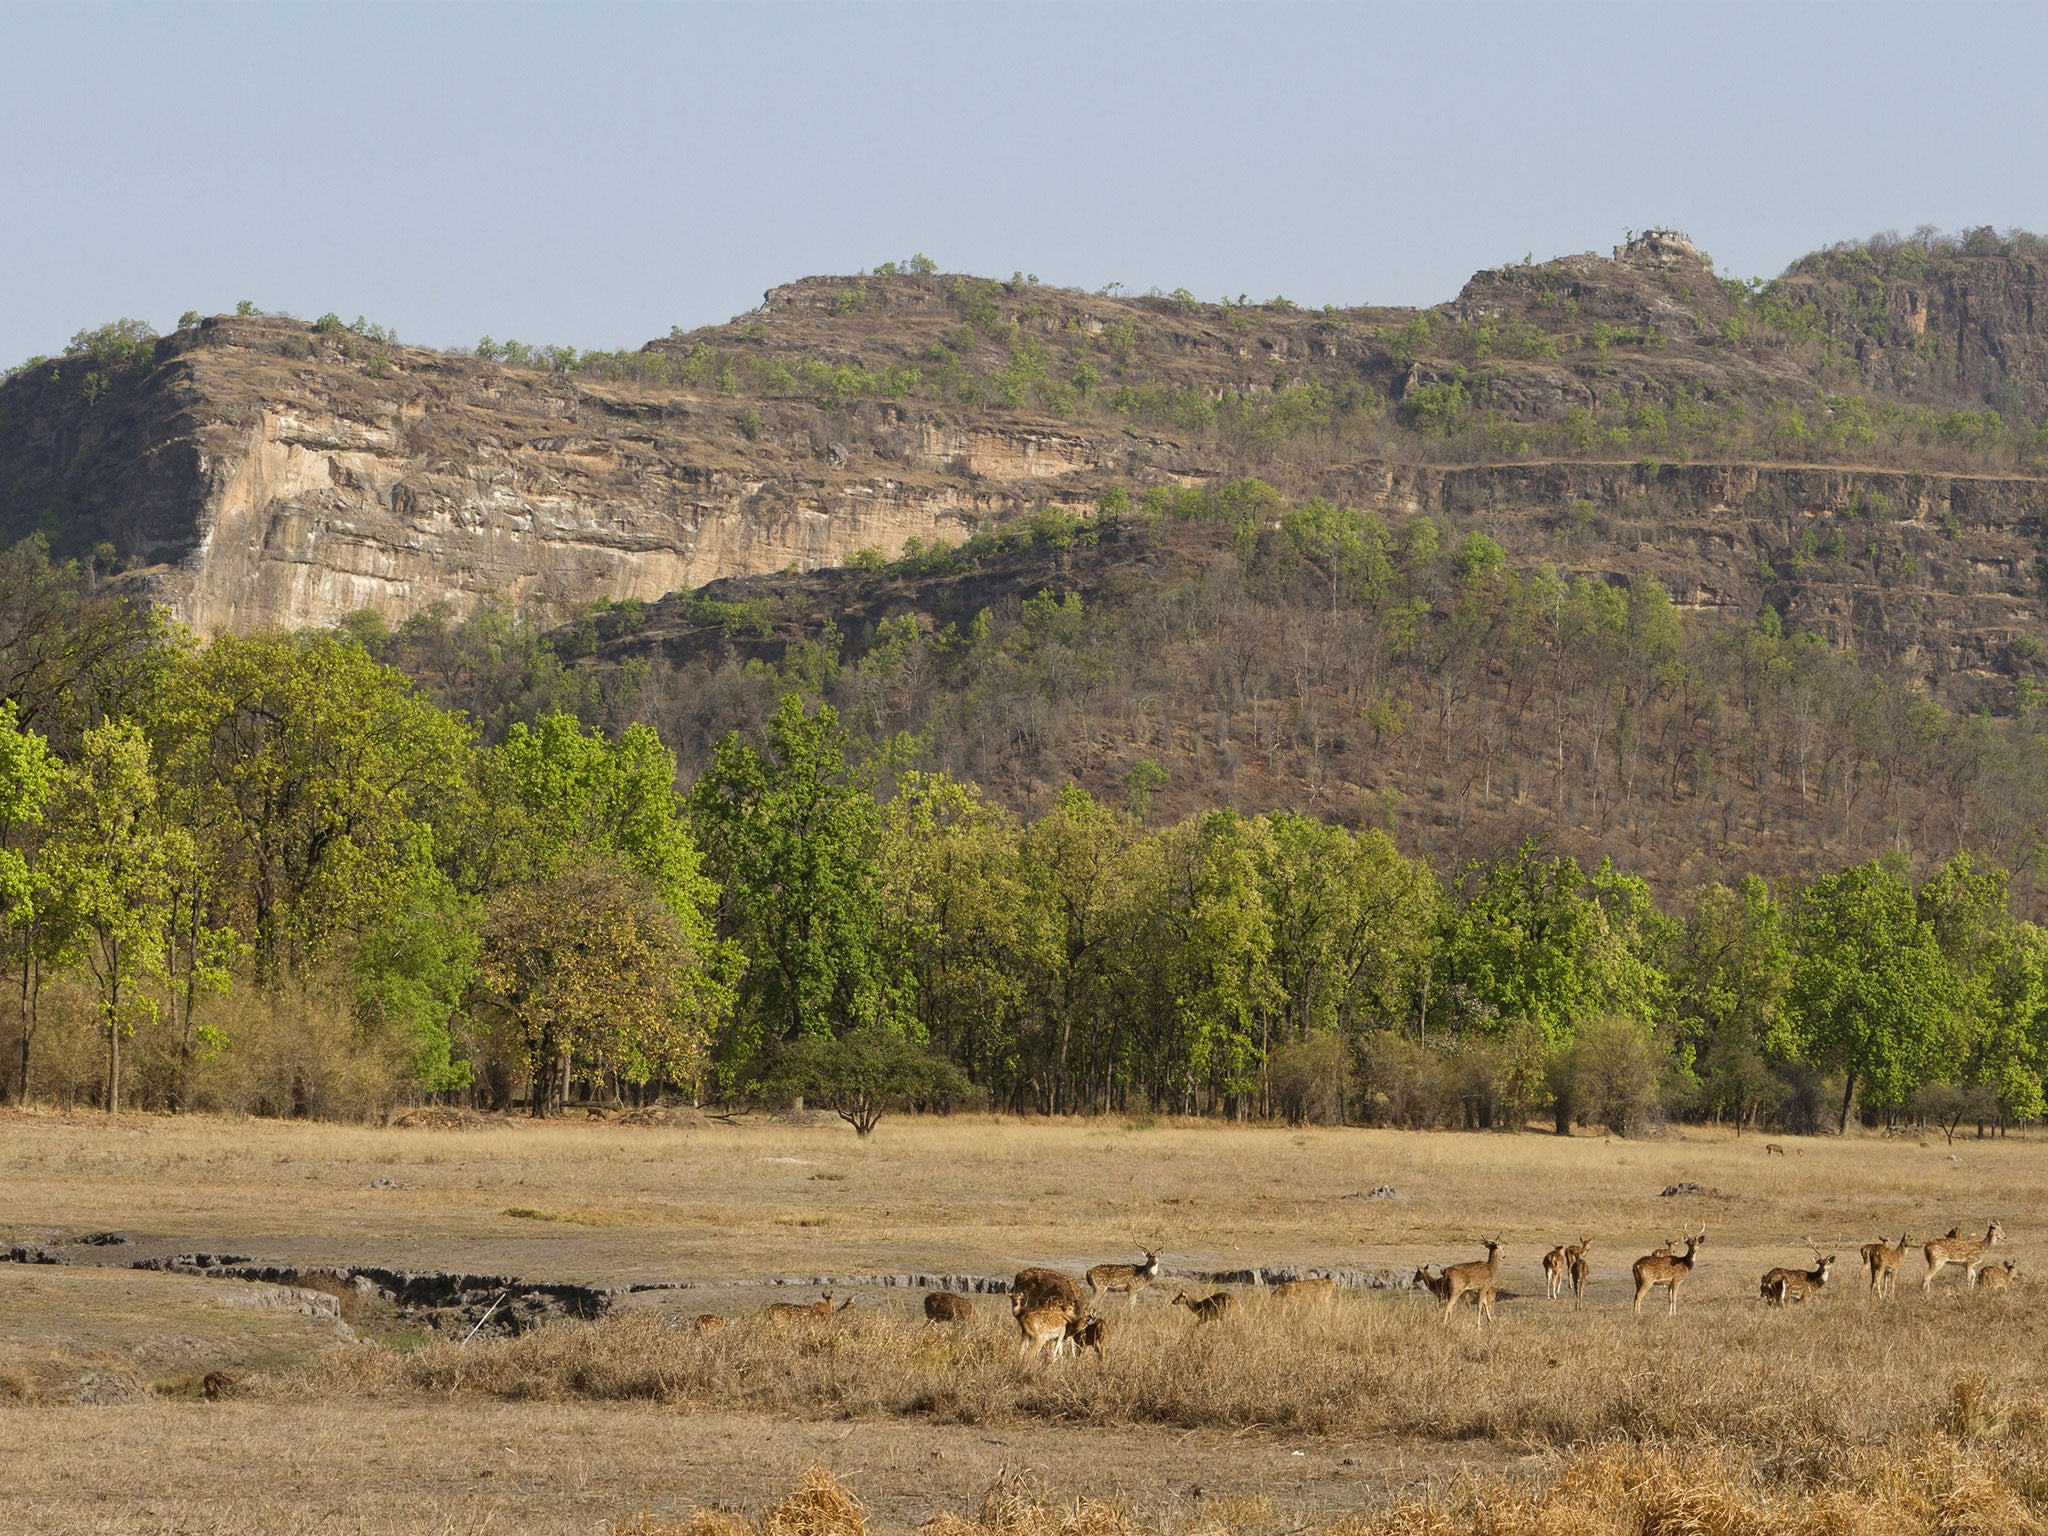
[[268, 874]]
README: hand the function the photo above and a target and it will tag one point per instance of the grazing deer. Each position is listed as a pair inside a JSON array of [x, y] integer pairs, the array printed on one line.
[[945, 1307], [1555, 1264], [1576, 1262], [1955, 1249], [1042, 1327], [1209, 1308], [1476, 1277], [796, 1312], [1882, 1259], [1438, 1286], [1781, 1286], [1046, 1288], [1086, 1333], [709, 1322], [1998, 1277], [1305, 1290], [1128, 1278], [1668, 1269], [1772, 1149]]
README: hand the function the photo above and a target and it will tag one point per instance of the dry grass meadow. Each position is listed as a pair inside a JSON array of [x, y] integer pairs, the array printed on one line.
[[1920, 1412]]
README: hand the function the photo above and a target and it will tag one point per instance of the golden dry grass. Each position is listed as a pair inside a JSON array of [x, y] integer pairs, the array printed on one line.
[[1807, 1404]]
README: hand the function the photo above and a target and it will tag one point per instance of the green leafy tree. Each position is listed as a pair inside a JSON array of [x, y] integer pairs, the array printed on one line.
[[28, 773], [861, 1075], [1731, 965], [1872, 995], [791, 831], [107, 871]]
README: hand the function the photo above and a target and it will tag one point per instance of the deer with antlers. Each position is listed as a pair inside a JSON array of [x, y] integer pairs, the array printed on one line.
[[1666, 1269], [1783, 1286], [1104, 1279], [1965, 1251], [1476, 1277], [1555, 1267], [1580, 1268], [1882, 1260]]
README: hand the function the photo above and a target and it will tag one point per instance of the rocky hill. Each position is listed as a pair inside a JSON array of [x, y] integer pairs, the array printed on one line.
[[1627, 414]]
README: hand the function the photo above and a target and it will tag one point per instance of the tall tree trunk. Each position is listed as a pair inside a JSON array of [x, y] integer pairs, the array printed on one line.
[[114, 1034], [1848, 1097]]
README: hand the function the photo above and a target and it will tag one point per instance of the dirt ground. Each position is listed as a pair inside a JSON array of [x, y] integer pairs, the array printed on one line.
[[101, 1427]]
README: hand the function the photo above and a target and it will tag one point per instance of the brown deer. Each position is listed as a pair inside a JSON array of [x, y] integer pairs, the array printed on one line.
[[1668, 1269], [1555, 1265], [1772, 1149], [1438, 1286], [1128, 1278], [1476, 1277], [1998, 1277], [1882, 1259], [215, 1385], [945, 1307], [796, 1312], [1782, 1286], [1042, 1328], [1046, 1288], [708, 1322], [1209, 1308], [1954, 1249], [1581, 1269], [1086, 1333], [1314, 1289]]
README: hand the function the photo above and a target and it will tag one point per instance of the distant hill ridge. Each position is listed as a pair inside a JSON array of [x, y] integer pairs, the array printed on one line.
[[261, 472]]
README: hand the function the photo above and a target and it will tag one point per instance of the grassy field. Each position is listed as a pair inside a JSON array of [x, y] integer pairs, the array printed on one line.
[[1282, 1417]]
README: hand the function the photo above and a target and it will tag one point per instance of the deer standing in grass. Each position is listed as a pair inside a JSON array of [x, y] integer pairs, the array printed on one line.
[[1882, 1259], [1046, 1288], [1086, 1333], [1783, 1286], [1555, 1266], [1209, 1308], [1042, 1327], [1476, 1277], [1580, 1268], [1667, 1269], [1967, 1252], [1314, 1289], [1128, 1278]]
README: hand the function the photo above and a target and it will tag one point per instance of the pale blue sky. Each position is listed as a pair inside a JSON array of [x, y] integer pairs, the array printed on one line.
[[594, 174]]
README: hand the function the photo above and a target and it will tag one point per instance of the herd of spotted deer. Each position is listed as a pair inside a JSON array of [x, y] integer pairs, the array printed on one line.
[[1052, 1320]]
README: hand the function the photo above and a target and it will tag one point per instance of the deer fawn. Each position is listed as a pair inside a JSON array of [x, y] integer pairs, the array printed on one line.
[[1476, 1277], [1668, 1269], [1998, 1277], [1555, 1264], [945, 1307], [1969, 1253], [1128, 1278], [1046, 1288], [1209, 1308], [1086, 1333], [709, 1322], [1042, 1327], [1438, 1286], [1781, 1286], [1882, 1260], [1575, 1261]]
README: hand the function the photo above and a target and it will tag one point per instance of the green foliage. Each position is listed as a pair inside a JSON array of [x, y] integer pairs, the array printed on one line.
[[861, 1075]]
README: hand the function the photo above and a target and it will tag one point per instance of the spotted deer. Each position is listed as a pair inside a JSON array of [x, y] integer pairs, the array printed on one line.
[[1954, 1249], [1315, 1288], [1580, 1268], [1882, 1260], [945, 1307], [1209, 1308], [1998, 1277], [1772, 1149], [1046, 1288], [1476, 1277], [1041, 1328], [1086, 1333], [796, 1312], [1128, 1278], [1438, 1286], [1666, 1269], [709, 1322], [1783, 1286], [1555, 1266]]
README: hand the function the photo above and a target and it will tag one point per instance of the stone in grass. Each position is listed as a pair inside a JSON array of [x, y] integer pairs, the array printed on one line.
[[1377, 1192], [1687, 1188]]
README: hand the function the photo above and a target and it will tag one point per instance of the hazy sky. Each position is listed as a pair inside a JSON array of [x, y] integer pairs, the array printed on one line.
[[595, 174]]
